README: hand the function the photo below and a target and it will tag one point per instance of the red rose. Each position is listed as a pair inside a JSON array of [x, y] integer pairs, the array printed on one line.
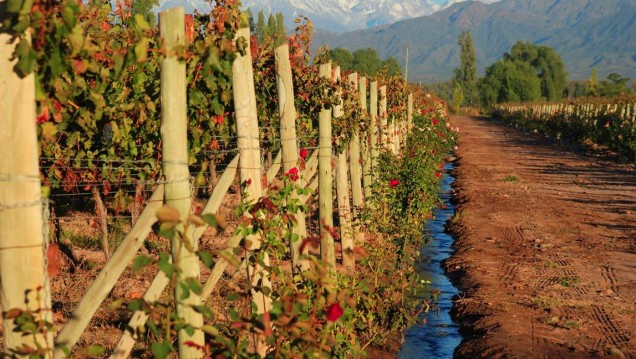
[[293, 174], [303, 153], [394, 182], [438, 174], [249, 181], [334, 311], [435, 121]]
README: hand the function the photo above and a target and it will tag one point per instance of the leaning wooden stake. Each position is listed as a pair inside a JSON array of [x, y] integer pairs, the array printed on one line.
[[289, 143], [174, 137], [250, 165], [23, 281], [107, 278], [325, 186], [342, 189]]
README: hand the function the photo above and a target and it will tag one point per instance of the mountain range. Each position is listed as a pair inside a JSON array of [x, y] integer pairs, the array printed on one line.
[[332, 15], [586, 33]]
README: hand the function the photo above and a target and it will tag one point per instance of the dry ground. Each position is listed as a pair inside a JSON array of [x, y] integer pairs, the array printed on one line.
[[546, 248]]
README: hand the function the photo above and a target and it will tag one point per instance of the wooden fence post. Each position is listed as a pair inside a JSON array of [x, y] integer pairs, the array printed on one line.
[[325, 186], [342, 189], [23, 281], [409, 114], [249, 164], [384, 127], [365, 142], [289, 143], [174, 138], [355, 168], [373, 126]]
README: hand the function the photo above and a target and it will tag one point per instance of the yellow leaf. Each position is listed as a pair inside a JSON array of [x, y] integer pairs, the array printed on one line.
[[48, 131], [168, 214]]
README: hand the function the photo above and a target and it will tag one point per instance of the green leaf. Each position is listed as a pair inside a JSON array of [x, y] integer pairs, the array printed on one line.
[[68, 15], [134, 305], [160, 350], [27, 5], [194, 285], [211, 330], [210, 219], [141, 23], [96, 350], [141, 49], [140, 262], [185, 291], [205, 311], [14, 6], [165, 265], [26, 58], [76, 38], [206, 258]]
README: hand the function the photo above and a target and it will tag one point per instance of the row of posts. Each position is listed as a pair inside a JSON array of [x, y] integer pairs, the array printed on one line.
[[23, 278]]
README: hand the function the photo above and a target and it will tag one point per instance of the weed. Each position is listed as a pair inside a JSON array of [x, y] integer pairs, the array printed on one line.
[[551, 264], [569, 281], [546, 303], [571, 324], [511, 179]]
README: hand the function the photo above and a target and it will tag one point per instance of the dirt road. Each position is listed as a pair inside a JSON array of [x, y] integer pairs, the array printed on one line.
[[546, 248]]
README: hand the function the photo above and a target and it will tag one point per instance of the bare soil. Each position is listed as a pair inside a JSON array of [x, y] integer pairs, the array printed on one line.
[[546, 247]]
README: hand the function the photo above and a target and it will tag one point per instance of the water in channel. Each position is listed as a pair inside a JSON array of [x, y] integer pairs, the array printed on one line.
[[437, 336]]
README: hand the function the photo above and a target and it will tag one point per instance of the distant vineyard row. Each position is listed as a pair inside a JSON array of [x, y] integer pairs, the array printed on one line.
[[609, 122]]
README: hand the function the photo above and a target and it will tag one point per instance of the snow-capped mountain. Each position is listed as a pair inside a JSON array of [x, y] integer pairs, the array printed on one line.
[[334, 15]]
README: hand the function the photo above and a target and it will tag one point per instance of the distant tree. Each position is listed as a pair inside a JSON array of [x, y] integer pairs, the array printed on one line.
[[466, 74], [613, 86], [526, 73], [342, 57], [271, 26], [392, 66], [144, 8], [281, 34], [458, 97], [576, 89], [252, 24], [551, 71], [548, 65], [261, 27], [592, 83], [509, 81], [366, 61]]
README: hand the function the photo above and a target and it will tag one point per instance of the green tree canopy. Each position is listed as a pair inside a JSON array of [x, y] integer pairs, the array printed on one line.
[[364, 61], [466, 75], [261, 27], [527, 73], [342, 57], [144, 8], [614, 85]]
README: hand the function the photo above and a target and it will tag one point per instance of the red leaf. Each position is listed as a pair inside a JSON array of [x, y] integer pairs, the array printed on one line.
[[329, 229], [312, 241], [54, 260]]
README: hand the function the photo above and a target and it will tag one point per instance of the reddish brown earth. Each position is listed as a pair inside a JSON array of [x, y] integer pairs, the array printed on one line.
[[546, 248]]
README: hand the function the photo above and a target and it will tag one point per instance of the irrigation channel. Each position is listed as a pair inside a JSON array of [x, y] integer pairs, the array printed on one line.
[[437, 335]]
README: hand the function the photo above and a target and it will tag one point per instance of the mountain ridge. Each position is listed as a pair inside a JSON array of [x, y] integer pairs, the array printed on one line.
[[585, 33]]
